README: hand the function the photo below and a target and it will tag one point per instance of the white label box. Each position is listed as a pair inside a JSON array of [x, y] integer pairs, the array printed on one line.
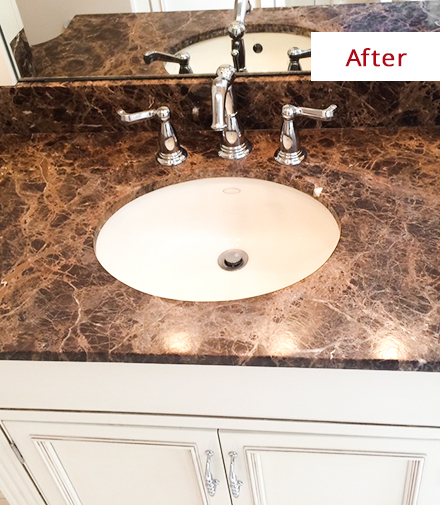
[[375, 56]]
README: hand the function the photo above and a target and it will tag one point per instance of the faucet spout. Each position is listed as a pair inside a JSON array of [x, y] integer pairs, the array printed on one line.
[[241, 8], [222, 101], [234, 146], [236, 31], [219, 89]]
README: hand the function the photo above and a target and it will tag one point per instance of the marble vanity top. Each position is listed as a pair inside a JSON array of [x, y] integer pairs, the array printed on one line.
[[114, 44], [375, 304]]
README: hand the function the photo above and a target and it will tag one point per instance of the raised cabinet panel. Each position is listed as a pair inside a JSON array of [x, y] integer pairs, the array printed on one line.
[[86, 464], [281, 469]]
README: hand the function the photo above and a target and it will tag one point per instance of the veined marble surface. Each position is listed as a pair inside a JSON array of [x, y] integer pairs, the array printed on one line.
[[81, 107], [111, 45], [374, 304]]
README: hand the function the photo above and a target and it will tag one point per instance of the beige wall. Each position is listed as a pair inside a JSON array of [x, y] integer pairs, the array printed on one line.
[[45, 19]]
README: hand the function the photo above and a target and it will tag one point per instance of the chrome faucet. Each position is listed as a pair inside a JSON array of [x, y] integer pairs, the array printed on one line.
[[236, 30], [295, 54], [290, 151], [241, 8], [170, 151], [234, 145]]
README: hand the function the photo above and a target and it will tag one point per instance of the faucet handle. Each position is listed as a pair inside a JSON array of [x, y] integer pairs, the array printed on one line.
[[290, 151], [295, 54], [170, 151], [290, 111], [227, 72], [181, 59]]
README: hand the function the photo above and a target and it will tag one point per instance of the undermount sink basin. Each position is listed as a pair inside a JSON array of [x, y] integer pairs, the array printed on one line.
[[217, 239], [208, 55]]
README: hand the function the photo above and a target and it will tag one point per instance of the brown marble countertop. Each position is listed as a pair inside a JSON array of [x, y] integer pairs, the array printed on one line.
[[374, 304], [112, 45]]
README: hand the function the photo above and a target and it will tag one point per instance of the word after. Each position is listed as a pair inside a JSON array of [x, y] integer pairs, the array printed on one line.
[[366, 58]]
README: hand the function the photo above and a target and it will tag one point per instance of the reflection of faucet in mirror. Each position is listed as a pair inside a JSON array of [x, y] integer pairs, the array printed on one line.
[[181, 59], [295, 54], [234, 145], [236, 31]]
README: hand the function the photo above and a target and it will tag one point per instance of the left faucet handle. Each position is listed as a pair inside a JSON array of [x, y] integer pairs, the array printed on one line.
[[135, 116], [170, 151], [182, 59]]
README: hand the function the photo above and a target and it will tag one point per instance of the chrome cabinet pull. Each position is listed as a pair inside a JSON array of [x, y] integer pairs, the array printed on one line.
[[234, 483], [211, 483]]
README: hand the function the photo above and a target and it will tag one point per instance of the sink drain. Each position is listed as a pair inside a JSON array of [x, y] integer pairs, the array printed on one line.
[[233, 259]]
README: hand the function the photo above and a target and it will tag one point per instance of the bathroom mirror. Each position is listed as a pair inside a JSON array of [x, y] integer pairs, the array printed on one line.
[[83, 39]]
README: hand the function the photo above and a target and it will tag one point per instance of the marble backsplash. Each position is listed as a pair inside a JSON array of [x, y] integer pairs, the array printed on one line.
[[23, 55], [90, 106]]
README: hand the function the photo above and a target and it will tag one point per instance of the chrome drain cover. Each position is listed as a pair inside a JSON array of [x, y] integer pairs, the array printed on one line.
[[233, 259]]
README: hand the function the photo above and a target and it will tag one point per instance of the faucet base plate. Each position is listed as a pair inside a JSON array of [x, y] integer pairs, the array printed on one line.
[[235, 152], [290, 158], [172, 159]]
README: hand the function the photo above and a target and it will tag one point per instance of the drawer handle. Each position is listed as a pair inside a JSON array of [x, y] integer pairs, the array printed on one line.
[[234, 483], [211, 483]]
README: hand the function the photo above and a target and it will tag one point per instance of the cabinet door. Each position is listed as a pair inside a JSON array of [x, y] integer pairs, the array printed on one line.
[[97, 464], [313, 469]]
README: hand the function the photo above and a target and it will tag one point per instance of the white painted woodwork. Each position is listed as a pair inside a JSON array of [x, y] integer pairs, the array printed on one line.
[[158, 6], [281, 469], [15, 484], [140, 5], [10, 26], [225, 398], [351, 396], [84, 459], [10, 20], [196, 5], [7, 73], [86, 464]]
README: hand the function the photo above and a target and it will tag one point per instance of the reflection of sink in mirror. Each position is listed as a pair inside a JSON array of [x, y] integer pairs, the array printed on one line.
[[207, 55], [217, 239]]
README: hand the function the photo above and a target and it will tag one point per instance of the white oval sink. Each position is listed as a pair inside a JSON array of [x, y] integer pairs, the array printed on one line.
[[208, 55], [168, 242]]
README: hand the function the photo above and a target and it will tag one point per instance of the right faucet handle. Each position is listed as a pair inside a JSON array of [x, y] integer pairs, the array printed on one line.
[[290, 111], [295, 54], [290, 151]]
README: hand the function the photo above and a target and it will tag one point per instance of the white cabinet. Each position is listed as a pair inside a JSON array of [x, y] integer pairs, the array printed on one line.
[[94, 459], [93, 464], [307, 469]]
